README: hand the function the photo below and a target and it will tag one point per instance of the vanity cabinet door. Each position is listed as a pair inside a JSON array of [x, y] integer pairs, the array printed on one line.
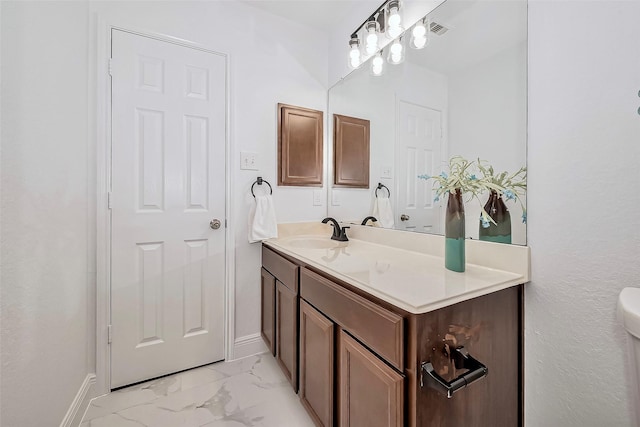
[[268, 302], [316, 364], [287, 332], [371, 393]]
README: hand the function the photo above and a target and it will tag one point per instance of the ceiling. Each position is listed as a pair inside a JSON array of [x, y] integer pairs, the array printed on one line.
[[322, 15]]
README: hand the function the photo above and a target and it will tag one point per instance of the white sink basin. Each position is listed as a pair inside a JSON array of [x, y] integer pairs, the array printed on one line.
[[312, 242]]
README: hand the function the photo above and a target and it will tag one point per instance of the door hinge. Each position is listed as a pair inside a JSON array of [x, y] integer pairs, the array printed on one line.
[[109, 334], [109, 200], [111, 66]]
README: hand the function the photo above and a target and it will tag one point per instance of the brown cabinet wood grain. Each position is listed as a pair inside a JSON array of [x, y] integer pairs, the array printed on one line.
[[370, 391], [378, 328], [267, 320], [317, 364], [287, 332], [350, 152], [300, 146]]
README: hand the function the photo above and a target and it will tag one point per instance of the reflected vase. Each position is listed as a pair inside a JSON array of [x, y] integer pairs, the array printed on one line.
[[500, 232], [454, 254]]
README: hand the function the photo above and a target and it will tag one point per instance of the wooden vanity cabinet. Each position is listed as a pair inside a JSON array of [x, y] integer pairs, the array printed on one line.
[[268, 304], [360, 358], [279, 301], [369, 387], [317, 336], [371, 393]]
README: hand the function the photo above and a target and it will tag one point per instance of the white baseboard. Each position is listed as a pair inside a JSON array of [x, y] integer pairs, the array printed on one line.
[[80, 402], [248, 346]]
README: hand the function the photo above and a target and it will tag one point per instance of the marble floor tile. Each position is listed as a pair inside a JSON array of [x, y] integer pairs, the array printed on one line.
[[250, 392]]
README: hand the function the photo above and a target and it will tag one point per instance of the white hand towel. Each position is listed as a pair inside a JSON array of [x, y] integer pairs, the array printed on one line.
[[382, 211], [262, 219]]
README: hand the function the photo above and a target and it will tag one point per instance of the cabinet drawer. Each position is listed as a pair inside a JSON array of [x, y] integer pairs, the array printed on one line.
[[284, 270], [380, 329]]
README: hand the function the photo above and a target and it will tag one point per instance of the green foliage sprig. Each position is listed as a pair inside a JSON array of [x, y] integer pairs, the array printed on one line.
[[511, 186]]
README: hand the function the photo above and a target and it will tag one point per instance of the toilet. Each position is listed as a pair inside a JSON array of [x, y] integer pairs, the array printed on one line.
[[629, 315]]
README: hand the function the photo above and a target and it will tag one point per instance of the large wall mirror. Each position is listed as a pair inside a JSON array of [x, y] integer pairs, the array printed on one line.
[[465, 94]]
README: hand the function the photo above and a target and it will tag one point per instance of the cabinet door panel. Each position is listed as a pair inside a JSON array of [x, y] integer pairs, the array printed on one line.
[[316, 364], [371, 392], [287, 332], [268, 318]]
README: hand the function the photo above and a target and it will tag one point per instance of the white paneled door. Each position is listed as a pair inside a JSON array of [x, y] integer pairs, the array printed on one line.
[[419, 151], [168, 184]]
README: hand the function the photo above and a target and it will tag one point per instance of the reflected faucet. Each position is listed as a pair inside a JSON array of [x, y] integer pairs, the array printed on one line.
[[372, 218], [339, 233]]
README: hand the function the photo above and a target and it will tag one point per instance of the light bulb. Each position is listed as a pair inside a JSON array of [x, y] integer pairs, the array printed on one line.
[[419, 42], [394, 18], [354, 53], [419, 30], [396, 48], [377, 65], [396, 57], [372, 43]]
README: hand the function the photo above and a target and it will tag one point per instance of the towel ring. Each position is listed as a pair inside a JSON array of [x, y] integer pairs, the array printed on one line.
[[380, 187], [259, 181]]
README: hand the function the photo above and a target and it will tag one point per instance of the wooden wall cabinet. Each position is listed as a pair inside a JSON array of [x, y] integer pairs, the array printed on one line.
[[350, 152], [300, 146]]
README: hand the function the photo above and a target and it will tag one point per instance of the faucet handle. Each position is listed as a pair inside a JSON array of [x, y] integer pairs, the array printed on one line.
[[343, 234]]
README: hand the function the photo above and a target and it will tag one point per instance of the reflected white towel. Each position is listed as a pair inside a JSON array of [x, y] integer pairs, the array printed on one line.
[[262, 219], [382, 211]]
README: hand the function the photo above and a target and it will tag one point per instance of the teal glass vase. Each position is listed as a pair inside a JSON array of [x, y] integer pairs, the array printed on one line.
[[454, 253], [500, 232]]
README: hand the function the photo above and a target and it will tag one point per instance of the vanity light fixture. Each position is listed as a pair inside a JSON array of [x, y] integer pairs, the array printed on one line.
[[377, 65], [420, 34], [355, 57], [394, 20], [396, 52]]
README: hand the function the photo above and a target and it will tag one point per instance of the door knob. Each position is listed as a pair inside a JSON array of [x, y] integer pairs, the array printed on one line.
[[404, 217], [214, 224]]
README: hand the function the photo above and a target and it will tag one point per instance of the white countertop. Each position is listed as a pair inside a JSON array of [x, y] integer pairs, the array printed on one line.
[[415, 281]]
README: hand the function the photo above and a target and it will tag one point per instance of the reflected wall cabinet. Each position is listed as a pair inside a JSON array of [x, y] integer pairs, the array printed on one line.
[[350, 152]]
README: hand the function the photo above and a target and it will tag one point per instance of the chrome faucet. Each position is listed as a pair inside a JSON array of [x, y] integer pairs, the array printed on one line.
[[339, 233], [372, 218]]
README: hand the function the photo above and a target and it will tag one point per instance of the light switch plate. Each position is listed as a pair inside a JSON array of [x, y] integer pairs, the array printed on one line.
[[317, 197], [249, 160], [335, 198], [386, 171]]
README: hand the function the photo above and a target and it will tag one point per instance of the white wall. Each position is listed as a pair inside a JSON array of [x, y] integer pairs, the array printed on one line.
[[49, 171], [584, 227], [482, 96], [46, 349]]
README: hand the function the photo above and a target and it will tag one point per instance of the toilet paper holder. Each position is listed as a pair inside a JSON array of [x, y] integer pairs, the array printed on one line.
[[463, 360]]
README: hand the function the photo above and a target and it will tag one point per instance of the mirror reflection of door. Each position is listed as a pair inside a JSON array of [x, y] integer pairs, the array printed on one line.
[[419, 151]]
